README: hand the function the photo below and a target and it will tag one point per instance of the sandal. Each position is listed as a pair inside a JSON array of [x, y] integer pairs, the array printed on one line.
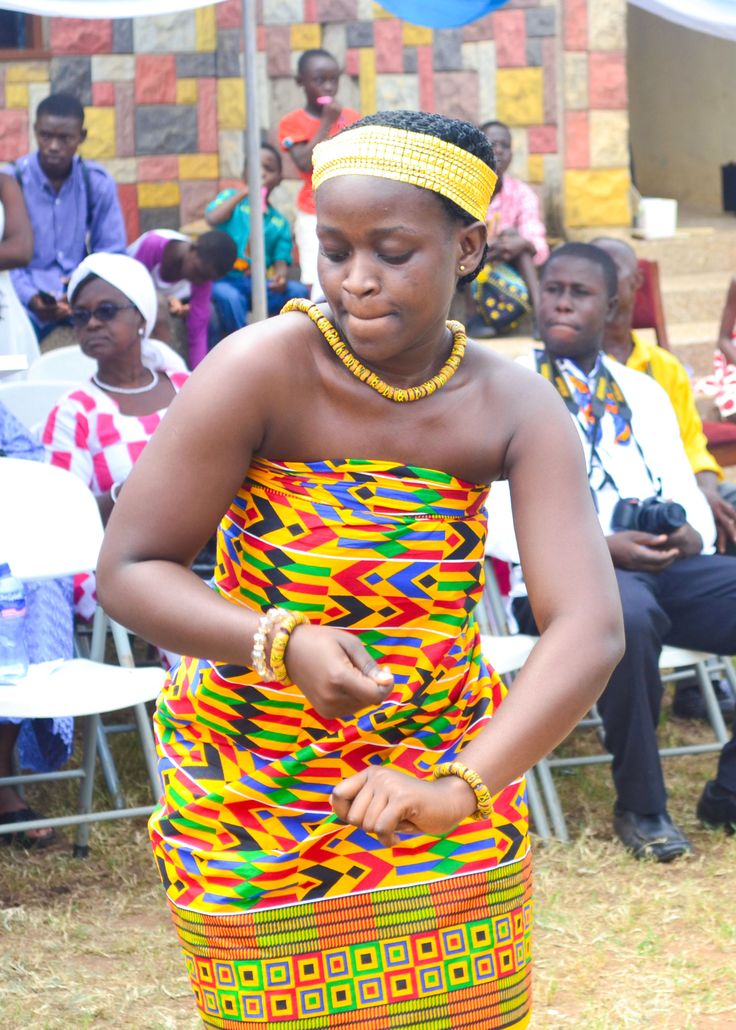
[[24, 839]]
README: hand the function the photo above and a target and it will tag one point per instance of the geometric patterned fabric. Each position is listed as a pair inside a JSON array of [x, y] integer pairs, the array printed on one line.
[[256, 867]]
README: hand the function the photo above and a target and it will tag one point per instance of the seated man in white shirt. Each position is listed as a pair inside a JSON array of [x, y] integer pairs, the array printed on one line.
[[674, 588]]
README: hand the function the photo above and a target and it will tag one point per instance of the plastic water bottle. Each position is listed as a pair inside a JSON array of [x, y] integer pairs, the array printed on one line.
[[13, 650]]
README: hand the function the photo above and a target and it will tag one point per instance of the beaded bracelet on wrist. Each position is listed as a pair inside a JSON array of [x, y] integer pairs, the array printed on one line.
[[483, 796], [258, 656], [278, 646]]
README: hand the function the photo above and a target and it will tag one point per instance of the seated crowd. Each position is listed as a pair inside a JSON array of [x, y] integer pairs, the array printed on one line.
[[632, 406]]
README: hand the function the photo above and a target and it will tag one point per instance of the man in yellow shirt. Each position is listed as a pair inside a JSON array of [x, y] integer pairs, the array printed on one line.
[[622, 343]]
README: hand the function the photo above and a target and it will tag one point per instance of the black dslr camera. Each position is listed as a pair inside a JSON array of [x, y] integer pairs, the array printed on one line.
[[649, 516]]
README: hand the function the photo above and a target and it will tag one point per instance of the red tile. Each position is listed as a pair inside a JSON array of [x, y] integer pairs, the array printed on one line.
[[509, 32], [542, 139], [575, 16], [278, 51], [13, 134], [352, 61], [482, 28], [387, 39], [577, 143], [195, 196], [607, 80], [207, 116], [161, 166], [310, 11], [426, 78], [229, 15], [124, 119], [80, 36], [128, 194], [103, 94], [260, 37], [155, 79]]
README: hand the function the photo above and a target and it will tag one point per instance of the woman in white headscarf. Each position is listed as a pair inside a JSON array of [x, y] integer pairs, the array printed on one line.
[[99, 429]]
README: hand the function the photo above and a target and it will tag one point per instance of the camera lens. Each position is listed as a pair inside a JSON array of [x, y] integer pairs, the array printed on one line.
[[660, 516]]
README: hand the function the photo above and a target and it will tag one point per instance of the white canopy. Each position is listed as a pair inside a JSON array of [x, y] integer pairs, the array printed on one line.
[[103, 8], [716, 17]]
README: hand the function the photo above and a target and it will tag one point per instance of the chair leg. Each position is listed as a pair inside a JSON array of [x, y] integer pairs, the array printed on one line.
[[715, 716], [89, 754], [148, 746], [108, 767], [552, 800], [536, 806]]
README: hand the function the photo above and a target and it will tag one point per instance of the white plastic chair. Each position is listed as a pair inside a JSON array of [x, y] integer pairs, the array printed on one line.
[[62, 363], [50, 527], [31, 402]]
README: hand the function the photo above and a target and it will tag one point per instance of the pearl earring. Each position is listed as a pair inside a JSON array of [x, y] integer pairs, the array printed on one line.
[[462, 268], [140, 331]]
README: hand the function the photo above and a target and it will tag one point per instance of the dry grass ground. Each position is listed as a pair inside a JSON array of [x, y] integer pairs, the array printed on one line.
[[618, 943]]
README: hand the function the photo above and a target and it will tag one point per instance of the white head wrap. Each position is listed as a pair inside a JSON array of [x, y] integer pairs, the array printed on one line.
[[127, 275]]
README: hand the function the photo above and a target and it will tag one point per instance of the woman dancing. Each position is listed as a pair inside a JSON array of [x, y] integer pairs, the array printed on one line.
[[343, 830]]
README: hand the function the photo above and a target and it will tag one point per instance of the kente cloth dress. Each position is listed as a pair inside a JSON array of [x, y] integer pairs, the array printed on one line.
[[288, 918]]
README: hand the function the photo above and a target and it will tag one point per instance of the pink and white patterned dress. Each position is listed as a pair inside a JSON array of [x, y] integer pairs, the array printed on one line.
[[88, 434]]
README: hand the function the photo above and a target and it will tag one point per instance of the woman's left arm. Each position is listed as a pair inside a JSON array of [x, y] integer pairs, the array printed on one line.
[[16, 247], [575, 600]]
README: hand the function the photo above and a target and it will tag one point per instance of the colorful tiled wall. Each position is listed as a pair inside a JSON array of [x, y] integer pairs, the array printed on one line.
[[165, 103]]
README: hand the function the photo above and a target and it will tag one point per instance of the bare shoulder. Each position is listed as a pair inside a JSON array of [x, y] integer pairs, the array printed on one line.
[[508, 380]]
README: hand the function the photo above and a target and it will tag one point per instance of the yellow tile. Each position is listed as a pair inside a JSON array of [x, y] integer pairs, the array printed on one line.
[[597, 197], [230, 104], [305, 36], [205, 28], [535, 168], [158, 194], [27, 71], [199, 166], [367, 80], [186, 91], [415, 35], [100, 125], [520, 96], [381, 12], [16, 94]]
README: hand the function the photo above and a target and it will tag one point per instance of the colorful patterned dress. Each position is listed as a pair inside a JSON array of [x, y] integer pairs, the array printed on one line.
[[288, 918]]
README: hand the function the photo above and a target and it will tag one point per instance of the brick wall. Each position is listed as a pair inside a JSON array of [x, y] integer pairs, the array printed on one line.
[[165, 103]]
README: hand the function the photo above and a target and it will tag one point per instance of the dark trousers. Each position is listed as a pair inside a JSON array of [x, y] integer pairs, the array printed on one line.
[[690, 604]]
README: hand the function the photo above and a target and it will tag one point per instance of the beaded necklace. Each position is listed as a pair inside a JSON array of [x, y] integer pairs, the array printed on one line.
[[391, 393], [128, 389]]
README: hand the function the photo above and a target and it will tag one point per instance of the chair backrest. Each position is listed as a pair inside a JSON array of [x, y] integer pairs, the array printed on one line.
[[63, 363], [50, 524], [648, 306], [31, 402]]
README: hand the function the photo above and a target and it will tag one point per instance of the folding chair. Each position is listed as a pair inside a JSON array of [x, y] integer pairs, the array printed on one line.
[[50, 527], [648, 307], [674, 663], [31, 402]]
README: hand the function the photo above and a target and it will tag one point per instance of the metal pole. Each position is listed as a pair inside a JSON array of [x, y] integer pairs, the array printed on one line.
[[253, 156]]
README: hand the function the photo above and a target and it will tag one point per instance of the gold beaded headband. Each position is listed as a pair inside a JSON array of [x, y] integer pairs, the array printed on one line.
[[412, 157]]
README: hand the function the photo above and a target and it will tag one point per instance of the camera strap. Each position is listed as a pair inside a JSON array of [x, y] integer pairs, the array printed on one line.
[[605, 386]]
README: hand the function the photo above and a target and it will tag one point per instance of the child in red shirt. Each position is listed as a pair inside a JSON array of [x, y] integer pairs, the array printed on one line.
[[300, 131]]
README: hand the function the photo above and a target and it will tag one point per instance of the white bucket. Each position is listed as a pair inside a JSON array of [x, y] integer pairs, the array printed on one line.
[[657, 217]]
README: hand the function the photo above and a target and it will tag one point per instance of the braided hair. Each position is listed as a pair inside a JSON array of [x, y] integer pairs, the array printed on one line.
[[452, 130]]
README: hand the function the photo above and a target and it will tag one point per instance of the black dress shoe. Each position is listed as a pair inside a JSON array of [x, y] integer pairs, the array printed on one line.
[[717, 807], [650, 836], [688, 702]]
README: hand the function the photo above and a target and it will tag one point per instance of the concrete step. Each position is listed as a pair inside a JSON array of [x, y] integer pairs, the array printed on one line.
[[702, 244], [694, 297]]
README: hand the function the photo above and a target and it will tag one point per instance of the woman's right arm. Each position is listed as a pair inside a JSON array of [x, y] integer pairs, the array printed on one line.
[[16, 247], [177, 493], [725, 331]]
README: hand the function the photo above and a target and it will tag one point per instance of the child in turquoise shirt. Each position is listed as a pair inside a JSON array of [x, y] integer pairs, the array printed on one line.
[[230, 212]]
